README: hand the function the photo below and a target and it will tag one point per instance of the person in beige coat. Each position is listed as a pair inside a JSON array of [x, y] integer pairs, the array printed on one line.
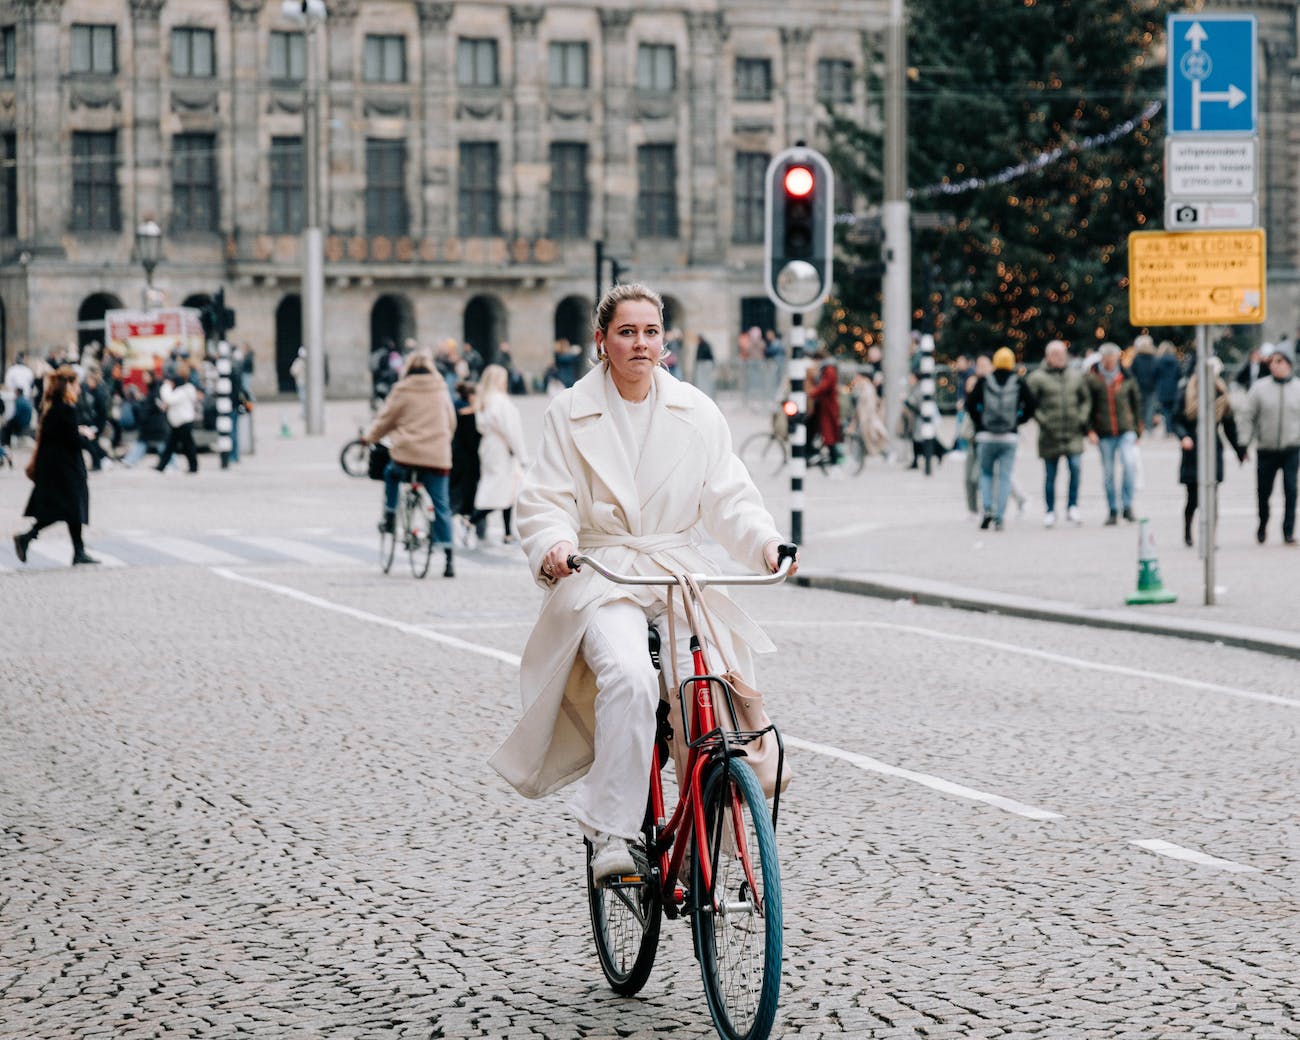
[[632, 464], [419, 420], [502, 451]]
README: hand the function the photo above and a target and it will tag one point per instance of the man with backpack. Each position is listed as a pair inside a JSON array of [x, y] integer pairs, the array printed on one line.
[[997, 404], [1114, 426]]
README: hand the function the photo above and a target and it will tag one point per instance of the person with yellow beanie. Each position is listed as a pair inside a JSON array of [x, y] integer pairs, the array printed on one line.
[[998, 404]]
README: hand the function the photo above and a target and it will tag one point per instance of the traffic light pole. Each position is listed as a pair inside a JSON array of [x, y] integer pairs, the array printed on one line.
[[798, 425]]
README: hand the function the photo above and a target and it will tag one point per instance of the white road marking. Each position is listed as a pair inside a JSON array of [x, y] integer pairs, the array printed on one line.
[[186, 550], [861, 761], [374, 619], [936, 783], [854, 529], [300, 551], [1168, 848], [1045, 655]]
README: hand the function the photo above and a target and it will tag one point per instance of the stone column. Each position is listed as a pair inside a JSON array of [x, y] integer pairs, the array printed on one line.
[[707, 33], [343, 174], [618, 178], [245, 201], [437, 97], [531, 172], [45, 172], [800, 87], [145, 110]]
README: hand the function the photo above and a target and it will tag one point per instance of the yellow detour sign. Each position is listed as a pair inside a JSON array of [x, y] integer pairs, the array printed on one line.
[[1196, 277]]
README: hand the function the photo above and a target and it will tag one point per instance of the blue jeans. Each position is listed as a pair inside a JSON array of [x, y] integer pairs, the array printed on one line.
[[1001, 457], [1049, 484], [438, 487], [1125, 446]]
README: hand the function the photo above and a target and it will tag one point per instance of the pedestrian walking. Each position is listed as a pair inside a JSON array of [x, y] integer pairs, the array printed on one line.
[[868, 414], [1113, 425], [824, 405], [298, 372], [631, 462], [998, 404], [419, 420], [1145, 371], [1061, 405], [1273, 418], [703, 375], [465, 469], [1168, 375], [1185, 428], [150, 419], [179, 399], [502, 452], [57, 468]]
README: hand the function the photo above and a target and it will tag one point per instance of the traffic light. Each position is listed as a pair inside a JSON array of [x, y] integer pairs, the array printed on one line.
[[217, 319], [797, 239]]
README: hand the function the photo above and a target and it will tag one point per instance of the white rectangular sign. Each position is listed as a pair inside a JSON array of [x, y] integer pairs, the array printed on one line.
[[1210, 167], [1190, 214]]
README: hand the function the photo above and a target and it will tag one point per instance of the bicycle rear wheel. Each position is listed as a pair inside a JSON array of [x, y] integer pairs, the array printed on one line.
[[625, 920], [417, 517], [764, 454], [739, 944], [355, 459], [388, 545]]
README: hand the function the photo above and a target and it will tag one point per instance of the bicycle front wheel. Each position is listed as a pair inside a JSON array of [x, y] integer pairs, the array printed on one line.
[[355, 459], [626, 916], [738, 931], [418, 525], [764, 454]]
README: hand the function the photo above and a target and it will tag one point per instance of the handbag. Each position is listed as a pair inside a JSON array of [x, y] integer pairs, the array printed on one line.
[[378, 461], [764, 754]]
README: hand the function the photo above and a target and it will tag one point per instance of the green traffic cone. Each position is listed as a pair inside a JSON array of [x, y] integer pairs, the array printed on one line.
[[1150, 589], [284, 426]]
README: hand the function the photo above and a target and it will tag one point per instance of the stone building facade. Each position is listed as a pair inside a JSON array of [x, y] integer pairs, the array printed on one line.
[[473, 154]]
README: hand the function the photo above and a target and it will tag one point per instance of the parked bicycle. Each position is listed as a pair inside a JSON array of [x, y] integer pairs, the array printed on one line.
[[732, 891], [766, 453], [412, 528]]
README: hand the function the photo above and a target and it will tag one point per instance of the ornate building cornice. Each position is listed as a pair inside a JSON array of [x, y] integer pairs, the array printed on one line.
[[707, 27], [344, 10], [434, 14], [524, 20], [614, 23], [245, 12], [42, 10], [796, 35]]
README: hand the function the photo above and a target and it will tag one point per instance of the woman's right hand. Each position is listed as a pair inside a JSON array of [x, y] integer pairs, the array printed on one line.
[[555, 564]]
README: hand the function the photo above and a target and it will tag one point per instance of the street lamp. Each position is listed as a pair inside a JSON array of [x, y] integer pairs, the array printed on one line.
[[148, 246], [310, 14]]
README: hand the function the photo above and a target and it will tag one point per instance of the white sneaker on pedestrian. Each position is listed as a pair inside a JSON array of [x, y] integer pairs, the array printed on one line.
[[1072, 515], [610, 855], [1049, 520]]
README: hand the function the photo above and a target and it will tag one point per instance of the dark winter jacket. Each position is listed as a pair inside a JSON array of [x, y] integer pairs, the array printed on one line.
[[1168, 374], [1185, 426], [1062, 405], [975, 399], [1116, 407], [60, 492]]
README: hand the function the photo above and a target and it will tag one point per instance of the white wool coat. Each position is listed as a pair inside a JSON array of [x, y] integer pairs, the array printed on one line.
[[502, 453], [581, 489]]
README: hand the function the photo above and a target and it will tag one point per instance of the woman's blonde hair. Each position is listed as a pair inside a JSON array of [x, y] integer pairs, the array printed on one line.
[[419, 357], [60, 385], [494, 380], [621, 294]]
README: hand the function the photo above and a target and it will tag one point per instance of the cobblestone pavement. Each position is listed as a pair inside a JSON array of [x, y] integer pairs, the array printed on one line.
[[249, 796]]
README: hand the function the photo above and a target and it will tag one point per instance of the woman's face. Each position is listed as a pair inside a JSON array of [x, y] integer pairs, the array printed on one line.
[[633, 341]]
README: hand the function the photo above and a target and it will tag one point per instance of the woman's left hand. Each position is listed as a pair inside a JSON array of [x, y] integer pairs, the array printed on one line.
[[771, 554]]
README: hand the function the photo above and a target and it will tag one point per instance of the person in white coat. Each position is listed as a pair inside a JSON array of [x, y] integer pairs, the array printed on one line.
[[179, 397], [632, 464], [502, 451]]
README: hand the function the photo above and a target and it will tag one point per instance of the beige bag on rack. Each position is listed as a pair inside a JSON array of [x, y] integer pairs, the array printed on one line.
[[762, 754]]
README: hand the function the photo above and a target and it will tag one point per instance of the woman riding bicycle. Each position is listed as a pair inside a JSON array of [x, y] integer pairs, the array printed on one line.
[[631, 464], [419, 420]]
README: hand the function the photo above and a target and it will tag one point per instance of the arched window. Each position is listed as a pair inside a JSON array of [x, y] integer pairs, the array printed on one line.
[[392, 319], [288, 338], [90, 317], [485, 325], [573, 320]]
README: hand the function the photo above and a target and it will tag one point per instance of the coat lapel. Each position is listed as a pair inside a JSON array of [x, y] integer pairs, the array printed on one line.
[[669, 438], [596, 438]]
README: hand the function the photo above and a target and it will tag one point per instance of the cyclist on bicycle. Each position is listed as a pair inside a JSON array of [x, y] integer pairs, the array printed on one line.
[[631, 464], [419, 420]]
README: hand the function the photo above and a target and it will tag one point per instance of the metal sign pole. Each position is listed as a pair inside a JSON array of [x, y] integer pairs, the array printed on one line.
[[1206, 438]]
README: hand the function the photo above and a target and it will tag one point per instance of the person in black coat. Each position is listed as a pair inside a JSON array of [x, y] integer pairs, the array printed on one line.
[[1184, 427], [58, 469], [465, 468]]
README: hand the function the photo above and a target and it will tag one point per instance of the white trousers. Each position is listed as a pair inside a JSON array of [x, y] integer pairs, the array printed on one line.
[[611, 798]]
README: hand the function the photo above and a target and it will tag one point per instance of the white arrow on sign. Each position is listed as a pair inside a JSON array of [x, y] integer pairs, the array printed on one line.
[[1196, 67]]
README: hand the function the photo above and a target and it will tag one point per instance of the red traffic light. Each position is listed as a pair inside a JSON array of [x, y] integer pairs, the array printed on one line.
[[798, 181], [790, 408]]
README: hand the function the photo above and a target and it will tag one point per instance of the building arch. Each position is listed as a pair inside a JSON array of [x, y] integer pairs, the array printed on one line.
[[288, 338], [392, 318], [90, 318], [486, 325], [573, 320]]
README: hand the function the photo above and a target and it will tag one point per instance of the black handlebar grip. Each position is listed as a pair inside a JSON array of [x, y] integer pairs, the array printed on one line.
[[786, 552], [572, 563]]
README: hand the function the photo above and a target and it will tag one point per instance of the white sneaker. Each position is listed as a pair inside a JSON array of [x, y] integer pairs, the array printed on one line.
[[1049, 520], [1072, 515], [610, 855]]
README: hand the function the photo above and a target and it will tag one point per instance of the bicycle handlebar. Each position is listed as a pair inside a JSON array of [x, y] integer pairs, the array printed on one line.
[[785, 557]]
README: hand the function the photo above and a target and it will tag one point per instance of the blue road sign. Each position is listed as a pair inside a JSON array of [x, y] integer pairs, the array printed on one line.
[[1212, 74]]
